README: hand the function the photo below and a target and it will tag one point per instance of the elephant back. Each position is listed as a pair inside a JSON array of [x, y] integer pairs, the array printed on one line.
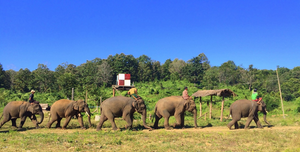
[[119, 100], [61, 103]]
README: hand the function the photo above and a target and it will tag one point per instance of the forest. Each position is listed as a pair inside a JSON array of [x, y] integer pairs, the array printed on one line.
[[153, 79]]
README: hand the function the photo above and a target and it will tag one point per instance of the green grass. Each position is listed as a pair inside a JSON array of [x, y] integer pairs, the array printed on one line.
[[212, 135]]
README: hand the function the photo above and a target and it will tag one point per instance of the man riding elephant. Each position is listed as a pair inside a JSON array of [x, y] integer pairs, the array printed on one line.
[[255, 96], [31, 100], [133, 93]]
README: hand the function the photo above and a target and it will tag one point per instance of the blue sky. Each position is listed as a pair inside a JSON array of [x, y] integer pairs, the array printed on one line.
[[262, 33]]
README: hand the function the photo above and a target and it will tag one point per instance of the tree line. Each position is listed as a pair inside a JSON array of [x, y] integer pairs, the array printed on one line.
[[98, 73]]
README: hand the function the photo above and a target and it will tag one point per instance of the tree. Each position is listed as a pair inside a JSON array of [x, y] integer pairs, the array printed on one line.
[[23, 81], [211, 78], [176, 69], [121, 63], [104, 73], [43, 78], [145, 68], [4, 78], [228, 73], [196, 68], [165, 73]]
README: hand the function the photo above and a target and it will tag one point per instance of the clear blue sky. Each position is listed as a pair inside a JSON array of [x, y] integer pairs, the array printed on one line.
[[262, 33]]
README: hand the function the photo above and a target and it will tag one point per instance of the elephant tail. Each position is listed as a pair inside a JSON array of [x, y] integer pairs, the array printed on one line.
[[49, 117], [1, 116], [153, 115]]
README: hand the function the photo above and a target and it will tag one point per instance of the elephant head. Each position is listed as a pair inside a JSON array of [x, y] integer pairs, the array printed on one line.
[[82, 106], [140, 107], [190, 106], [36, 109], [262, 107]]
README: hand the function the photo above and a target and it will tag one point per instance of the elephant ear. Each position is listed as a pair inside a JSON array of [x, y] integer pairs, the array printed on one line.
[[187, 104], [76, 106], [135, 104]]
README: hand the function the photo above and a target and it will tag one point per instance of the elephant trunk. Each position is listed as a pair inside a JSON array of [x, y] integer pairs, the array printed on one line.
[[265, 116], [42, 117], [144, 114], [87, 111], [195, 117]]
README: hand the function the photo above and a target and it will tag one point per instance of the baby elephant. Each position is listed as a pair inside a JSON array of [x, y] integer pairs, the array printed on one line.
[[174, 106], [67, 109], [21, 109]]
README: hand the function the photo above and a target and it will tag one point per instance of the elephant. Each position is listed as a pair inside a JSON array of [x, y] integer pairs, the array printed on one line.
[[124, 107], [246, 108], [174, 106], [65, 108], [21, 109]]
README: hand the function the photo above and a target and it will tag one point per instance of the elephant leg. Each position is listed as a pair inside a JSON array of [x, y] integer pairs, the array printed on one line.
[[23, 119], [232, 122], [250, 118], [4, 120], [13, 123], [111, 118], [257, 121], [166, 115], [80, 121], [68, 119], [157, 118], [128, 118], [166, 123], [178, 117], [103, 118], [34, 121], [236, 125], [182, 121], [54, 118], [58, 123]]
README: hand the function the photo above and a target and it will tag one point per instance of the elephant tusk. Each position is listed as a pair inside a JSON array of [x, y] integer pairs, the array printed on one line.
[[87, 114]]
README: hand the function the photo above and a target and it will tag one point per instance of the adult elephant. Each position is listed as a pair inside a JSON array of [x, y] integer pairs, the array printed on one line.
[[174, 106], [124, 107], [67, 109], [246, 108], [21, 109]]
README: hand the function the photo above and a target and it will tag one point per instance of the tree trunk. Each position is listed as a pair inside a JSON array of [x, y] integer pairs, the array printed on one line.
[[195, 117]]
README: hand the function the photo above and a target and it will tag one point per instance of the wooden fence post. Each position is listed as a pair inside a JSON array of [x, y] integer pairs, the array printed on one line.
[[200, 113], [72, 94], [222, 108], [210, 106]]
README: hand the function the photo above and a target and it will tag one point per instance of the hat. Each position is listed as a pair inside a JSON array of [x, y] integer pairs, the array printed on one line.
[[255, 90], [32, 91]]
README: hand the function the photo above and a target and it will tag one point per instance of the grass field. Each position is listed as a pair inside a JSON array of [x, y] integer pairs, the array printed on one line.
[[212, 135]]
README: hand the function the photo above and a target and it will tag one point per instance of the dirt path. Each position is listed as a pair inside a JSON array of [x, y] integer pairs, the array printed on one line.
[[206, 129]]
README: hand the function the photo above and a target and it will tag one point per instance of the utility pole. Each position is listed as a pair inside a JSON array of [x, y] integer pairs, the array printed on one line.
[[280, 92]]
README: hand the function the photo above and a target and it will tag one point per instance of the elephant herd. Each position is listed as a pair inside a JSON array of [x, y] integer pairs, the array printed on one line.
[[125, 107]]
